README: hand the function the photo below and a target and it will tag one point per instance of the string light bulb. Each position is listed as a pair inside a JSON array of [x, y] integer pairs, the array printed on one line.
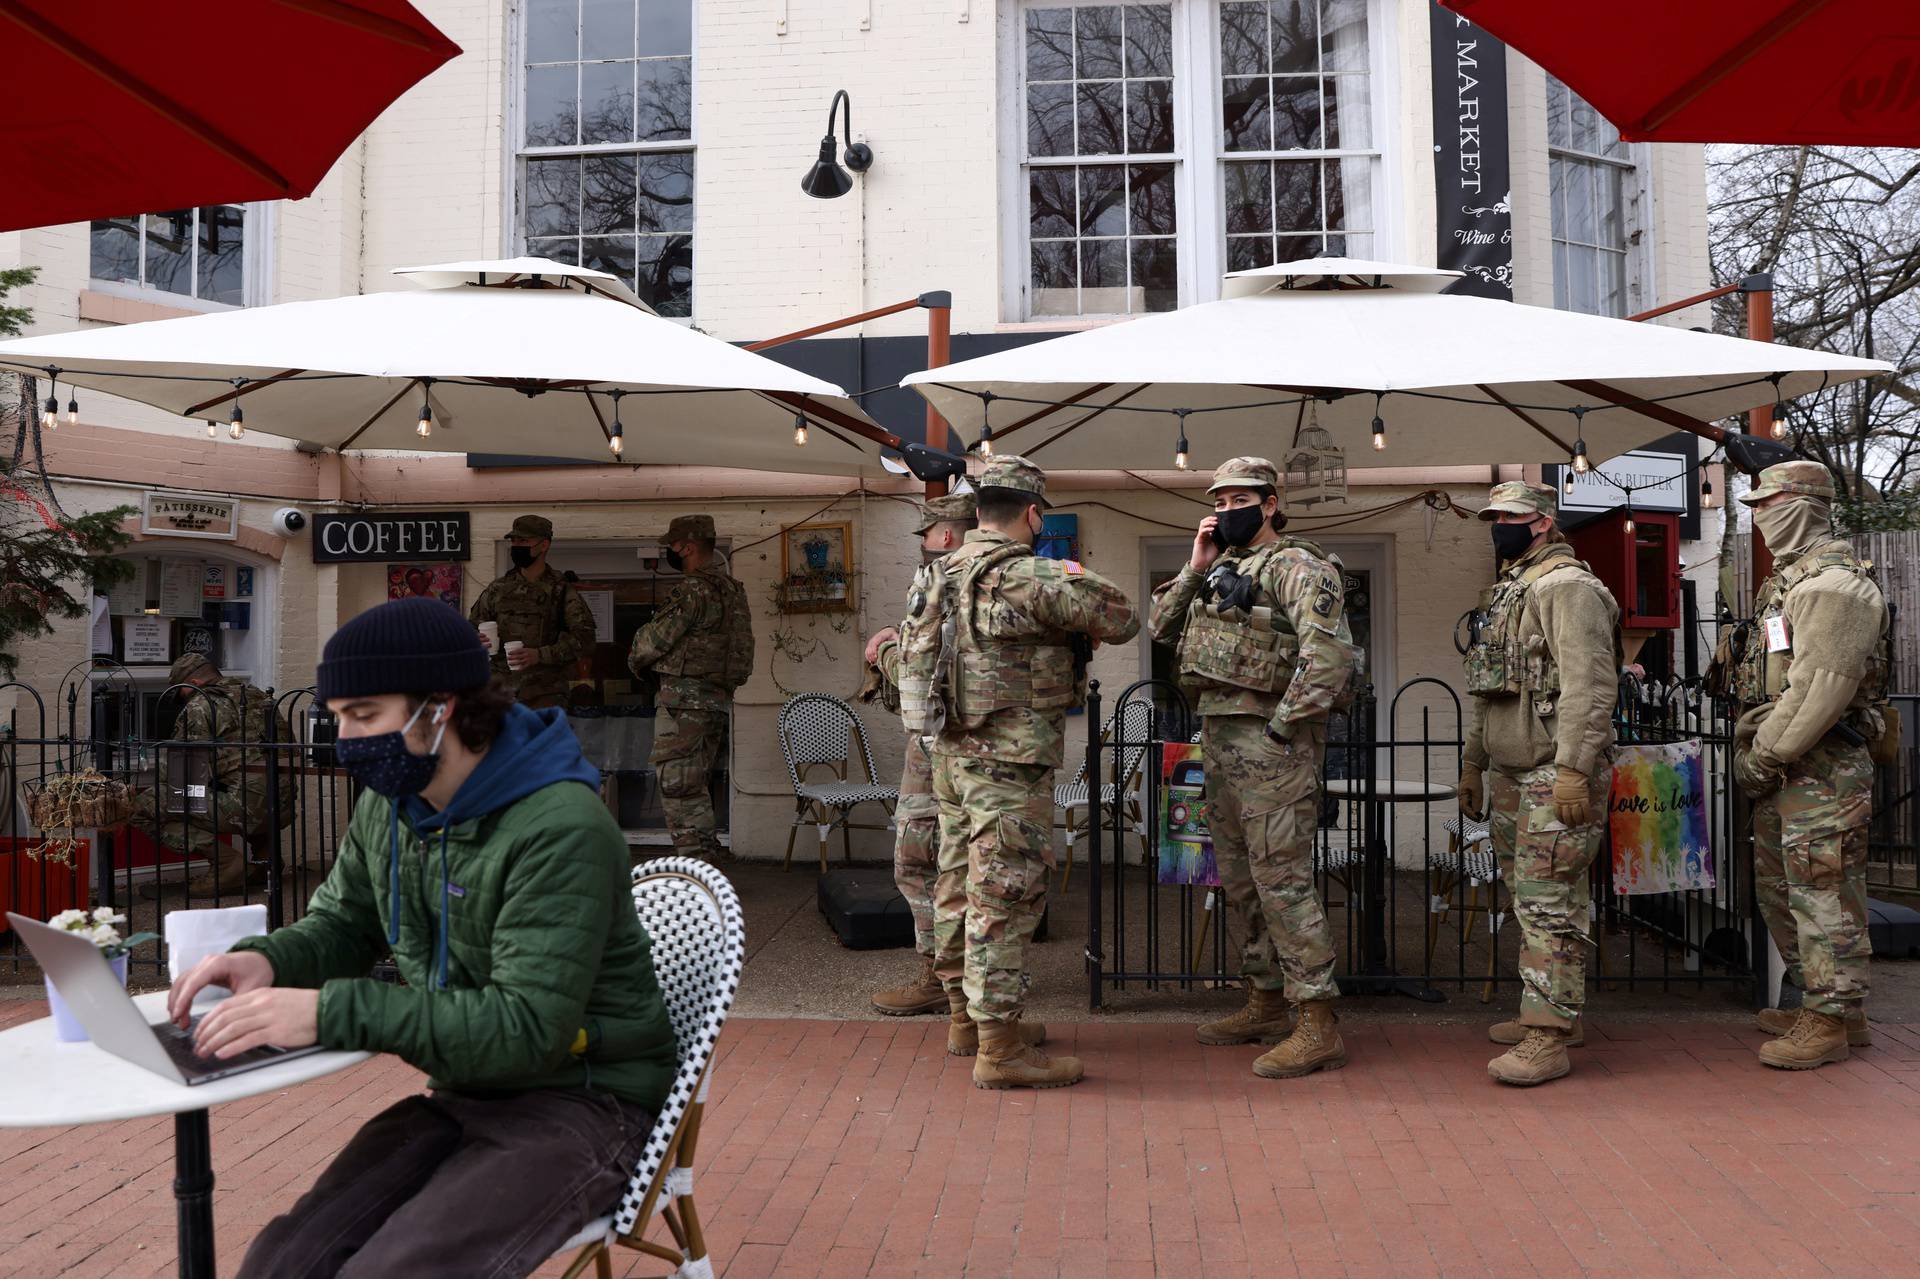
[[985, 443], [1566, 483], [799, 430], [1706, 489], [1779, 419], [1180, 449], [213, 431], [50, 412], [616, 444], [236, 422], [425, 426], [1628, 526], [1379, 427], [1581, 463]]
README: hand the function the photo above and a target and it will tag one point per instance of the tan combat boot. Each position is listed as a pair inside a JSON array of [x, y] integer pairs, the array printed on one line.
[[963, 1033], [1266, 1018], [1540, 1057], [1512, 1032], [1005, 1061], [1779, 1021], [1814, 1040], [1313, 1045], [921, 995]]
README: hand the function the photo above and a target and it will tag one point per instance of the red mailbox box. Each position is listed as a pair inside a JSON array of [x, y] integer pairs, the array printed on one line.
[[1639, 560]]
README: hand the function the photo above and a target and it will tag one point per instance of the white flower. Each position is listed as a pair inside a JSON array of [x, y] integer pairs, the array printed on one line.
[[74, 921], [105, 915], [105, 935]]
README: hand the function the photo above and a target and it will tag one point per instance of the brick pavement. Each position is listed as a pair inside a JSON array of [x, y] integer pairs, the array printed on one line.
[[846, 1149]]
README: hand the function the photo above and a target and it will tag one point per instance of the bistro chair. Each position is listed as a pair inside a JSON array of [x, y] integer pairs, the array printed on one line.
[[819, 731], [1132, 724], [1468, 858], [699, 945]]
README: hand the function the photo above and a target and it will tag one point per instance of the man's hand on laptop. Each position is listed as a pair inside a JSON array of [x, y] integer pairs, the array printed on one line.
[[286, 1017], [238, 971]]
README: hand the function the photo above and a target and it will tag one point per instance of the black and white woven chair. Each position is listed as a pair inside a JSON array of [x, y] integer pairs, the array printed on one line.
[[1132, 724], [1469, 858], [699, 945], [818, 731]]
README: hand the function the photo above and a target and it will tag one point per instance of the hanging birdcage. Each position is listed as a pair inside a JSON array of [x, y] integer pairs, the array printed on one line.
[[1315, 469]]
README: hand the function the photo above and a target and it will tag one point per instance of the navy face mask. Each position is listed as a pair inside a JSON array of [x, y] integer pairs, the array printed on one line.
[[382, 763]]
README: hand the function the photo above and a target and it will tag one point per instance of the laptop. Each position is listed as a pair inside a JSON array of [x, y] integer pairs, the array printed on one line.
[[112, 1020]]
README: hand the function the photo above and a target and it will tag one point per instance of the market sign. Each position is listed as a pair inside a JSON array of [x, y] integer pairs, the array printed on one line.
[[184, 515], [1658, 482], [1473, 193], [365, 538]]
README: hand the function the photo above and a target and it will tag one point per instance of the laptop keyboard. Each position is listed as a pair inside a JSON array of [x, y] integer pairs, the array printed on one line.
[[179, 1046]]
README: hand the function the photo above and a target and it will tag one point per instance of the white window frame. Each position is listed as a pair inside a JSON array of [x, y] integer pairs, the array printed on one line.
[[256, 265], [1636, 210], [517, 152], [1198, 161]]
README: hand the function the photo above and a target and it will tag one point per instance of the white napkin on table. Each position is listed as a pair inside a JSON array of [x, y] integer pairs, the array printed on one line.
[[192, 935]]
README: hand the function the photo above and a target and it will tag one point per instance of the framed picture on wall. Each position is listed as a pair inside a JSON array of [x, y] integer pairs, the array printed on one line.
[[817, 568], [433, 581]]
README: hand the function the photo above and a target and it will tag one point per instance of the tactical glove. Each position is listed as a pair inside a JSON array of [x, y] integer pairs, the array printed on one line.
[[1754, 776], [1473, 791], [1570, 791]]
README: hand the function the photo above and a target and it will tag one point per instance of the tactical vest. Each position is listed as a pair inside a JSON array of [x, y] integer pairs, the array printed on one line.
[[960, 658], [1752, 675], [722, 653], [1242, 648], [1499, 661]]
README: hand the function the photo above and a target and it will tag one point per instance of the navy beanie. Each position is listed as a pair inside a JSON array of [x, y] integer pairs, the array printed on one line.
[[411, 645]]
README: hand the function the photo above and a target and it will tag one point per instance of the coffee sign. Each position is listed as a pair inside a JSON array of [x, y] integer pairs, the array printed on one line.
[[366, 538], [184, 515]]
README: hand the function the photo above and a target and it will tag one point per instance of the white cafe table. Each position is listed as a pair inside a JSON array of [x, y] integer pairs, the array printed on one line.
[[47, 1084]]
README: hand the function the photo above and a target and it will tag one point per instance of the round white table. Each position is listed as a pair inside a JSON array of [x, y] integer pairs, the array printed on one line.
[[47, 1084]]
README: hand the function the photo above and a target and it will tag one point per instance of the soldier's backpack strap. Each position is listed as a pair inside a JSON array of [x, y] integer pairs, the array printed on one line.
[[968, 579]]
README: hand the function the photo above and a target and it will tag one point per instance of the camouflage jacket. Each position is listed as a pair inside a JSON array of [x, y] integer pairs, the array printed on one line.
[[1040, 602], [232, 710], [1287, 660], [1544, 668], [532, 611], [700, 643]]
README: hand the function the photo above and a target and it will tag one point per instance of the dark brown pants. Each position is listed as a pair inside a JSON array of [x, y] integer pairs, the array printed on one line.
[[446, 1184]]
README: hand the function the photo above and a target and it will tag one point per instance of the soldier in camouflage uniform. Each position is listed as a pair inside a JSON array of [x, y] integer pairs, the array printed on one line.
[[1810, 677], [534, 605], [1002, 625], [700, 646], [943, 523], [216, 709], [1264, 647], [1542, 673]]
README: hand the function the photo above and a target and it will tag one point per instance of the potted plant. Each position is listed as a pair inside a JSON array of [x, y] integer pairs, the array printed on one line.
[[98, 928]]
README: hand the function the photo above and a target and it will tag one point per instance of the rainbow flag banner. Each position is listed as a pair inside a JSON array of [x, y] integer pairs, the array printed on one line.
[[1657, 816], [1185, 848]]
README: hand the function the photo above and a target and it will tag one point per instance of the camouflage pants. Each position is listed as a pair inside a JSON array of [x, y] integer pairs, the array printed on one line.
[[916, 844], [1546, 866], [1810, 872], [686, 744], [194, 836], [1262, 811], [996, 858]]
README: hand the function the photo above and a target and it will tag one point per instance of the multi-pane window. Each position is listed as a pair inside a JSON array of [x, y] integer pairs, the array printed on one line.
[[607, 147], [194, 253], [1295, 130], [1100, 159], [1594, 182]]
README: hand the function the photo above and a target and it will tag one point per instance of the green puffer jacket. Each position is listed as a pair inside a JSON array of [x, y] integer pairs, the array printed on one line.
[[546, 979]]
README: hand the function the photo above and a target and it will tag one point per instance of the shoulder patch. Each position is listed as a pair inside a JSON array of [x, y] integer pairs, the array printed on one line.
[[1071, 567], [1326, 602]]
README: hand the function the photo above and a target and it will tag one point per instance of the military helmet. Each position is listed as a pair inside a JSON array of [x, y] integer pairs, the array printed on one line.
[[1808, 478], [1517, 497], [1245, 473], [1006, 471], [939, 510]]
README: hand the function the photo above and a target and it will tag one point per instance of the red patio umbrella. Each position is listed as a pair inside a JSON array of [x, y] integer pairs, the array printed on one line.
[[1840, 72], [115, 109]]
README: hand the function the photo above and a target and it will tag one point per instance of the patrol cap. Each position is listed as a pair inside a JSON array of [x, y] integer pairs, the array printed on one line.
[[538, 526], [689, 528], [190, 665], [937, 510], [1016, 474], [1809, 478], [1517, 497], [1245, 473]]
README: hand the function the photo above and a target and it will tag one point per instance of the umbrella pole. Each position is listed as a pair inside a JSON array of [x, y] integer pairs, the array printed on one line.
[[939, 341]]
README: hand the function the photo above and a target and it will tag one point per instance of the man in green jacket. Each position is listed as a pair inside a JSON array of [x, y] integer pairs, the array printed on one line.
[[481, 856]]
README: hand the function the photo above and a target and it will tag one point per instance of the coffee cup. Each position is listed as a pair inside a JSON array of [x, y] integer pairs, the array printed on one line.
[[490, 636], [513, 646]]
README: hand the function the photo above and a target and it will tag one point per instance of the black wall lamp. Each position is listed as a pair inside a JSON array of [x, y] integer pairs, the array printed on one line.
[[826, 180]]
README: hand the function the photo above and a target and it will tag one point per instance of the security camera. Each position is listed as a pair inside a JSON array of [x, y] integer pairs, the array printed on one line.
[[289, 520]]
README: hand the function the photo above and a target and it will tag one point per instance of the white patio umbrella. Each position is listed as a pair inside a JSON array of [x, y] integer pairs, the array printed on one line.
[[523, 356], [1449, 379]]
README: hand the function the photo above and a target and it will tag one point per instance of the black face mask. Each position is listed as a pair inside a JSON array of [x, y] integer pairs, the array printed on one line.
[[675, 561], [1510, 541], [1238, 526], [522, 556]]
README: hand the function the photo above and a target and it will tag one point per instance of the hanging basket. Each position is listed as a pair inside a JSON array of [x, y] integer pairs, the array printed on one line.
[[78, 801]]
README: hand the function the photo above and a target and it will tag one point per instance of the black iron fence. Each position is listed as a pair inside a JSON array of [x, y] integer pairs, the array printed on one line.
[[1893, 841], [1413, 891], [227, 821]]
